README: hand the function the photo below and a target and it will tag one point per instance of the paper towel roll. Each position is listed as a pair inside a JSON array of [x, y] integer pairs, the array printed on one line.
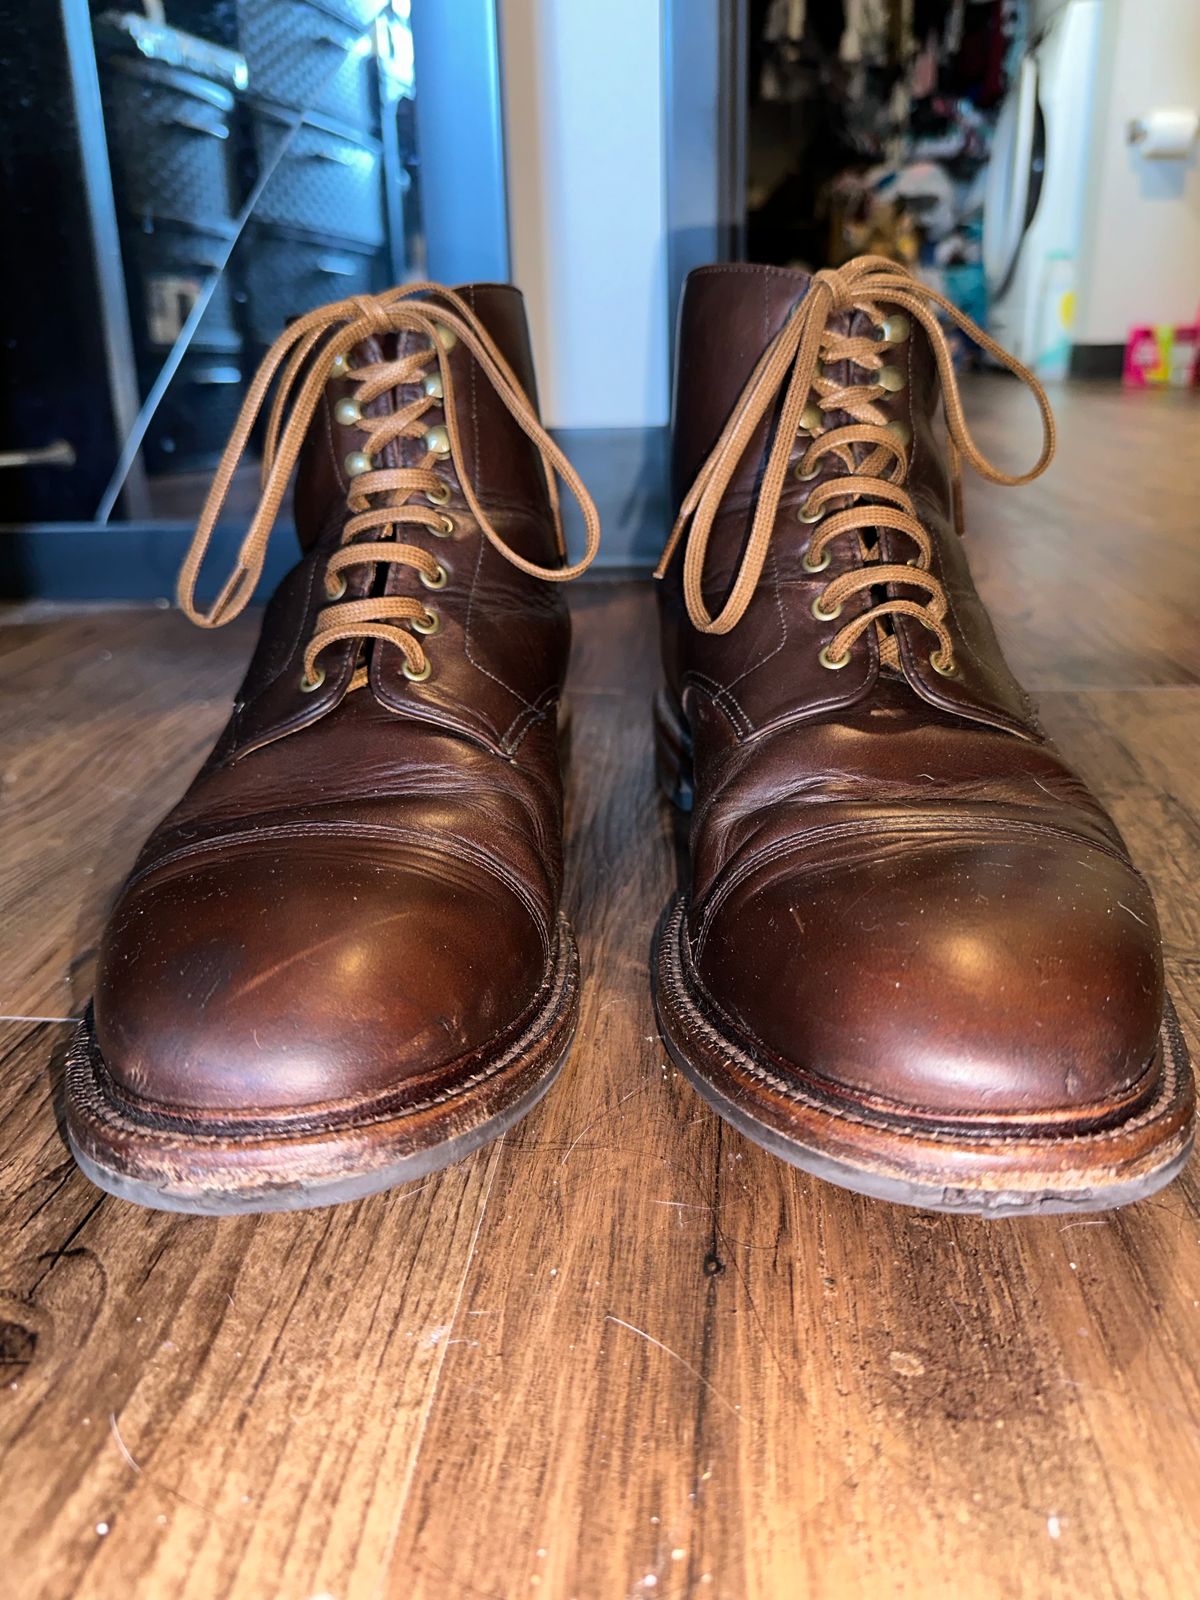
[[1165, 135]]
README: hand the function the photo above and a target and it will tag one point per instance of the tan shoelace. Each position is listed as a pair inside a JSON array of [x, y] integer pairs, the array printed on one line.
[[873, 452], [315, 348]]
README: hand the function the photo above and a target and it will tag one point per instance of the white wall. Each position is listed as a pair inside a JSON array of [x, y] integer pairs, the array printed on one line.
[[1141, 261], [583, 110]]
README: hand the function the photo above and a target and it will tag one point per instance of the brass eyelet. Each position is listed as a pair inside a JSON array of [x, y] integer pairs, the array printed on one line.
[[805, 477], [358, 462], [827, 660], [437, 440], [412, 674], [311, 685], [945, 669], [340, 367], [890, 379], [805, 515], [438, 581], [427, 625], [811, 418], [819, 565], [444, 528], [439, 496], [348, 413], [819, 611], [332, 592]]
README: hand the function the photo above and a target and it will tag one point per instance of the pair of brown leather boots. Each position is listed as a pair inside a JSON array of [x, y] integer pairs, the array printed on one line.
[[913, 956]]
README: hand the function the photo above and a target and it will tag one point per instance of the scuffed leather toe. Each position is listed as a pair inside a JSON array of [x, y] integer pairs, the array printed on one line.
[[963, 980], [272, 978]]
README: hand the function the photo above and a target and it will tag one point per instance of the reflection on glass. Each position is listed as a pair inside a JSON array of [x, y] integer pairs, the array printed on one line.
[[263, 163]]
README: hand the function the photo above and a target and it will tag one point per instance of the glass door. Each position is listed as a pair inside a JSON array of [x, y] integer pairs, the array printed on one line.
[[187, 175]]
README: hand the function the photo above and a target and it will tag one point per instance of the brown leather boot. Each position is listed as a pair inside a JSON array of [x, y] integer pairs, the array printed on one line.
[[914, 957], [339, 963]]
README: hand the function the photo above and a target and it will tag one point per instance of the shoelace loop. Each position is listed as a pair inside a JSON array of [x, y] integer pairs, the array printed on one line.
[[796, 364], [311, 350]]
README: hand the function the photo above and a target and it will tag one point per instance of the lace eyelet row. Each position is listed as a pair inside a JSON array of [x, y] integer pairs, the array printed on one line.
[[348, 413], [892, 379], [836, 663]]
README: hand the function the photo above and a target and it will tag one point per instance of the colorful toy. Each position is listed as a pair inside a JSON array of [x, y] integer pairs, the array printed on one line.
[[1162, 356]]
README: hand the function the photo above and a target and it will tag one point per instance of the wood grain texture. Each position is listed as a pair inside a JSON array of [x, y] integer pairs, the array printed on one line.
[[622, 1353]]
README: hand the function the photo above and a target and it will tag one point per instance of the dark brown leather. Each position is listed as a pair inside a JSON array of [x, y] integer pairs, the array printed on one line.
[[901, 895], [356, 902]]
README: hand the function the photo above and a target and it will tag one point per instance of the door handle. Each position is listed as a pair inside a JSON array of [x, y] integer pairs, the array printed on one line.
[[59, 454], [207, 377], [181, 119], [336, 267], [336, 41], [336, 158]]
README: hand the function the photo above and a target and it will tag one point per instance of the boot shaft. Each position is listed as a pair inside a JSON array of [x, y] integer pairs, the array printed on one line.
[[731, 320]]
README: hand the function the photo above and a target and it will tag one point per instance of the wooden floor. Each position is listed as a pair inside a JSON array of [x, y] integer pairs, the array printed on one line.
[[621, 1353]]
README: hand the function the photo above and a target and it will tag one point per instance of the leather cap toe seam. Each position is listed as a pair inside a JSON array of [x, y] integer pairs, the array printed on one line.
[[252, 841], [945, 829]]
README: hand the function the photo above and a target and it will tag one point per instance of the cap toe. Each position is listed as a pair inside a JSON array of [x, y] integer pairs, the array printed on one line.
[[273, 977], [985, 977]]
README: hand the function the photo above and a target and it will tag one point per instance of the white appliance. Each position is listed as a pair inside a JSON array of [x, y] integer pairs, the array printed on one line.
[[1037, 178]]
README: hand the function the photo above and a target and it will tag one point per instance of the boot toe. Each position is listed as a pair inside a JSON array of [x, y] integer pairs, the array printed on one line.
[[1014, 978], [268, 980]]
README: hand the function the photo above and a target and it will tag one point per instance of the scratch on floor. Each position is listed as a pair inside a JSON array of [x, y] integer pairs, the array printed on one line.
[[7, 1018], [134, 1466], [120, 1443], [675, 1356]]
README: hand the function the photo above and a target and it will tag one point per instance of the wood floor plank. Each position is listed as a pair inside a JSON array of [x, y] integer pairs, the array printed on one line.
[[1091, 572], [576, 1388]]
